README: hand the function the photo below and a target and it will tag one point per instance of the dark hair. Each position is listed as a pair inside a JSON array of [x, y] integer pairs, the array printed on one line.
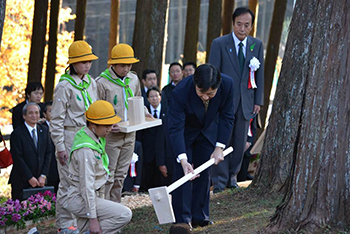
[[180, 228], [71, 70], [24, 110], [154, 88], [175, 64], [146, 72], [194, 65], [207, 76], [240, 11], [33, 86], [46, 104]]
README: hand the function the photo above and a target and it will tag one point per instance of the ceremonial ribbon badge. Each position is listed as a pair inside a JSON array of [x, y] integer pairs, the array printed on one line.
[[254, 65]]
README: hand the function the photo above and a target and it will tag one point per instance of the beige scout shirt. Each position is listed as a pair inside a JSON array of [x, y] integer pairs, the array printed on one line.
[[68, 109], [114, 93], [87, 176]]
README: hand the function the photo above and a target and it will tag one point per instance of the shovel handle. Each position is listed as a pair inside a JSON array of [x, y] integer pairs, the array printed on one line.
[[198, 170]]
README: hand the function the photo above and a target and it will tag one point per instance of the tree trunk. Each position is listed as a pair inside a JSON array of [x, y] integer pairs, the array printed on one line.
[[214, 19], [254, 7], [38, 41], [2, 16], [191, 33], [149, 31], [114, 26], [308, 138], [227, 16], [272, 48], [79, 26], [52, 50]]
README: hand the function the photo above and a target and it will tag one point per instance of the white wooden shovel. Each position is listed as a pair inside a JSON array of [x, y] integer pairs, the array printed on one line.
[[161, 197]]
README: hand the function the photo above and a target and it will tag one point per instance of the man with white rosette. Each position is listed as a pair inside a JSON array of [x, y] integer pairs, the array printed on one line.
[[241, 57]]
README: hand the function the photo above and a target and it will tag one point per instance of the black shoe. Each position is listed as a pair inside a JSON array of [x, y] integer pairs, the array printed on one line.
[[181, 228], [234, 185], [249, 177], [217, 190], [202, 223]]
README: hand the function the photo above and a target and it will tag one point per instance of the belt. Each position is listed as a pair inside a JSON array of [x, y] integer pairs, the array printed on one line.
[[71, 128]]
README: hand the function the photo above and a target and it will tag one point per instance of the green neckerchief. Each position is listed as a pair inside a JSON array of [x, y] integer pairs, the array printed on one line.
[[83, 140], [83, 86], [125, 85]]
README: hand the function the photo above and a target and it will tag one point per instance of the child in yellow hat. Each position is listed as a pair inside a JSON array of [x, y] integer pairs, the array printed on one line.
[[73, 95], [88, 173], [115, 85]]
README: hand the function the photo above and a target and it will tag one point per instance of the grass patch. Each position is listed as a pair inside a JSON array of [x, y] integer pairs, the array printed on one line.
[[238, 211]]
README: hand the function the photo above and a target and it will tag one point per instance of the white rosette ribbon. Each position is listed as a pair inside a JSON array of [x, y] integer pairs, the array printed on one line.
[[254, 65], [134, 159]]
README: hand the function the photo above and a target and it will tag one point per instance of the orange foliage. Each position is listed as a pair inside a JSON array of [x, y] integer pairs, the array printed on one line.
[[15, 50]]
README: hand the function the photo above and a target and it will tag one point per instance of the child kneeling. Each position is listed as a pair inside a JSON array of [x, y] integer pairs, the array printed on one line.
[[88, 173]]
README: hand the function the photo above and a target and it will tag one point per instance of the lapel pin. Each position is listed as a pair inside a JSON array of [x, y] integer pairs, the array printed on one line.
[[230, 50]]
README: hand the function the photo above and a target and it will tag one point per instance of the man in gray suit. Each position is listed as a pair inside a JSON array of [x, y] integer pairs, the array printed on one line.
[[241, 57]]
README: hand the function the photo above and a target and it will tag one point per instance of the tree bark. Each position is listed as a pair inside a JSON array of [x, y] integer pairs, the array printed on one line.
[[191, 33], [308, 138], [254, 7], [227, 16], [272, 48], [149, 31], [114, 26], [38, 41], [79, 26], [52, 50], [214, 19], [2, 17]]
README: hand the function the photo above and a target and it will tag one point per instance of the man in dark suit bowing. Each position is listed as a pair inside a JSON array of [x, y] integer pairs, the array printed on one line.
[[242, 58], [31, 152], [200, 120]]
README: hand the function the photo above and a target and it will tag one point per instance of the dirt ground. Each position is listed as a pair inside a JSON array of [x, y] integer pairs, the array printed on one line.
[[238, 211]]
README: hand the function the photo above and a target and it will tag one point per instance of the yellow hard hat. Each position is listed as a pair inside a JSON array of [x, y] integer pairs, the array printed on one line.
[[80, 51], [122, 54], [101, 112]]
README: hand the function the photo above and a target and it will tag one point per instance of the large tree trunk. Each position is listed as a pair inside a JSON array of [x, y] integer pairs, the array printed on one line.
[[254, 7], [114, 26], [52, 50], [38, 41], [308, 138], [272, 48], [191, 33], [2, 16], [227, 16], [214, 20], [149, 31], [79, 26]]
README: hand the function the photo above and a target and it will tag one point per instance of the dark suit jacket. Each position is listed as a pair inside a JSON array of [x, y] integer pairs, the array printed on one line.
[[187, 117], [53, 170], [167, 93], [223, 55], [17, 114], [27, 160], [144, 95], [153, 141]]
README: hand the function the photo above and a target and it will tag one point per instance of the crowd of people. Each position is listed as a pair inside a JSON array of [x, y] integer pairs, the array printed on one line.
[[74, 142]]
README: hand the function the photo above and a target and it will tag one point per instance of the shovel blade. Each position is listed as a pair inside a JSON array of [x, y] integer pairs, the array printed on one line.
[[161, 201]]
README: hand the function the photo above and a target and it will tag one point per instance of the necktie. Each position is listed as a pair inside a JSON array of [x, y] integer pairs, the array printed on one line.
[[206, 104], [34, 137], [241, 57], [155, 114]]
